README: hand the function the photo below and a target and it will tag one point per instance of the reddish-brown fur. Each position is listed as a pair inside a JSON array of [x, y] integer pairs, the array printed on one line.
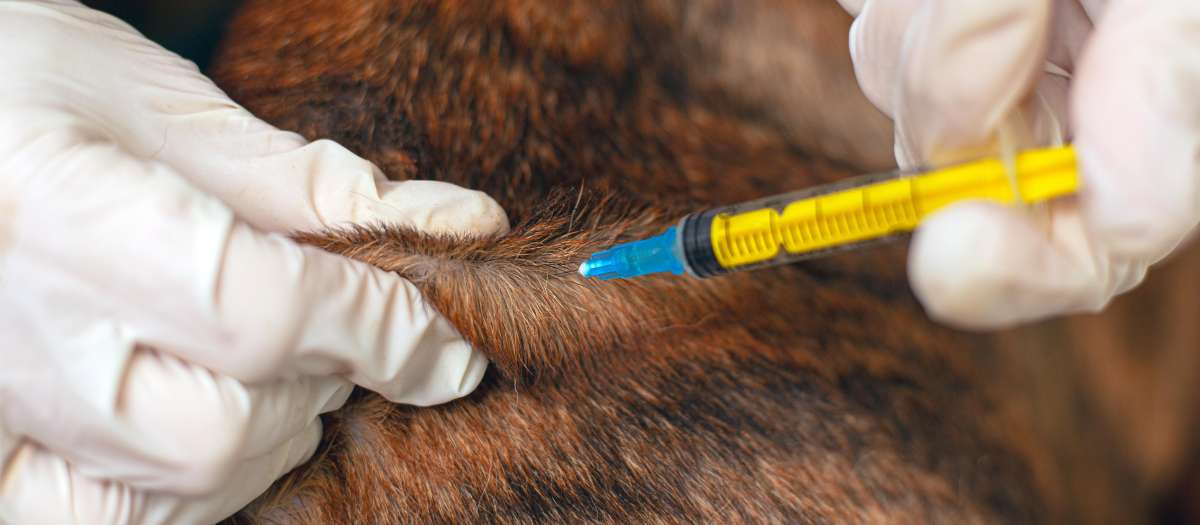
[[816, 392]]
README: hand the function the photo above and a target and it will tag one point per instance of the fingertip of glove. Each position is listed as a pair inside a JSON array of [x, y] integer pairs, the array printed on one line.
[[983, 266], [442, 208], [455, 371], [958, 268], [429, 363], [460, 370], [472, 375]]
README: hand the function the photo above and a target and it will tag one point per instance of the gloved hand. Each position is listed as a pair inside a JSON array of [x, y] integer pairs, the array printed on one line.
[[163, 357], [1121, 77]]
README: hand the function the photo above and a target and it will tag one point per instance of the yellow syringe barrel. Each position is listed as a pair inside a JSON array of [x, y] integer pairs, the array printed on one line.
[[793, 226]]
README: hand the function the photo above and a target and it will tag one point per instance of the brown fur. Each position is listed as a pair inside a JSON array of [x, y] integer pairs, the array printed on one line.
[[811, 393]]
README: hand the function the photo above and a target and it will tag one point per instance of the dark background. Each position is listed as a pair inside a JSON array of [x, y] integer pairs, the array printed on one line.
[[191, 28]]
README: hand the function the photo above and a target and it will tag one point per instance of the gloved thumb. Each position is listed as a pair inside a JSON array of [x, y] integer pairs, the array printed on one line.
[[982, 265]]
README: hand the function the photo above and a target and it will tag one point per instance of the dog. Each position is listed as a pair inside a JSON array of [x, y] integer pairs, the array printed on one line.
[[816, 392]]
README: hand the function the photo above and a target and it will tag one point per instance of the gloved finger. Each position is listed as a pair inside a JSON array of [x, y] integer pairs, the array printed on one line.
[[877, 42], [278, 181], [39, 487], [160, 106], [966, 66], [980, 265], [217, 293], [1136, 116], [250, 479], [889, 39], [173, 426]]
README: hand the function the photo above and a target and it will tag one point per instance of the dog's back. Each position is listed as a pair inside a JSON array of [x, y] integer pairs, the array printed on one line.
[[811, 393]]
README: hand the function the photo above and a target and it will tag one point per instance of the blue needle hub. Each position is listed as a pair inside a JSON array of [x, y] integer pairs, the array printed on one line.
[[661, 253]]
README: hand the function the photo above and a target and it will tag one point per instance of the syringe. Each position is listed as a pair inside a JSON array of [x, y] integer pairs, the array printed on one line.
[[814, 222]]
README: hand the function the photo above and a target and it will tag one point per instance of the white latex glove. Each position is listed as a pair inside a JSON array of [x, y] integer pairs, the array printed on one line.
[[163, 357], [1121, 76]]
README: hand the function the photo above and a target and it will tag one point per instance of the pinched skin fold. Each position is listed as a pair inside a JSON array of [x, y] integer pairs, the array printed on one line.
[[647, 400]]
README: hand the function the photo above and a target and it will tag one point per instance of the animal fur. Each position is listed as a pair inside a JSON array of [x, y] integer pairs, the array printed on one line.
[[813, 393]]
